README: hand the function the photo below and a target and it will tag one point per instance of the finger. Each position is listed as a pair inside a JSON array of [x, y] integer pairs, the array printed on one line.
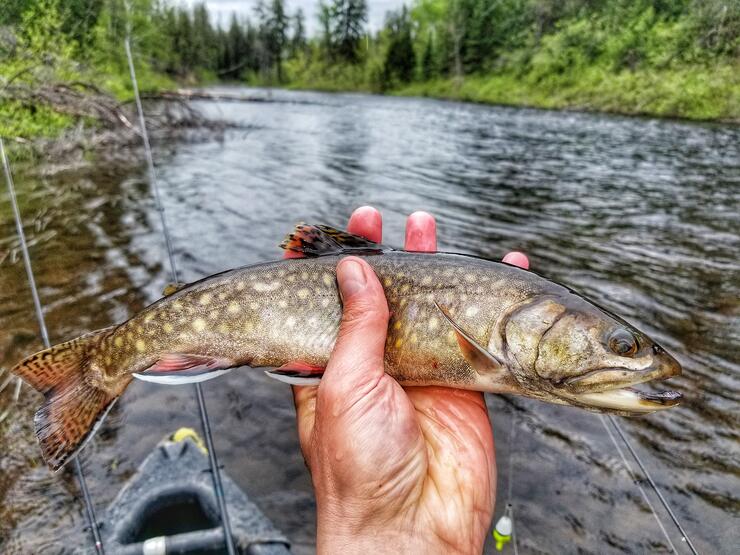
[[357, 359], [421, 233], [367, 222], [516, 258]]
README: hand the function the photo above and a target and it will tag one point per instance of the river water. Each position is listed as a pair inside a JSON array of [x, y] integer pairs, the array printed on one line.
[[640, 215]]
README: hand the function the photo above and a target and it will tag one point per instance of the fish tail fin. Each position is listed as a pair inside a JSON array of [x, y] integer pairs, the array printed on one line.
[[73, 406]]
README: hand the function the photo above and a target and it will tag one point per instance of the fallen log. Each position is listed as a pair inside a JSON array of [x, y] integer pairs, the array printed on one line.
[[188, 94]]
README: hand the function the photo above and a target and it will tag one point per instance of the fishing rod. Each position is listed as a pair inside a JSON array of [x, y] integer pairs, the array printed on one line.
[[205, 422], [89, 508]]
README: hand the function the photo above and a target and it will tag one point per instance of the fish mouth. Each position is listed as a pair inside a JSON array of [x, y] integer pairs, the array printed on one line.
[[625, 398], [630, 400]]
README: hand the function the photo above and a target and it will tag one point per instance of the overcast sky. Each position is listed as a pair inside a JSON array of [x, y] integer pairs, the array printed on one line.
[[221, 10]]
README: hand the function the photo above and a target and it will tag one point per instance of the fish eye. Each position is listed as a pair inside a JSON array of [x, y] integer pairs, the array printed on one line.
[[623, 343]]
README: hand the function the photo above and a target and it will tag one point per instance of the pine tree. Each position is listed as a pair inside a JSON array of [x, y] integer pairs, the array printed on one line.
[[348, 19], [428, 60], [183, 41], [273, 27], [298, 41], [234, 50], [325, 22], [203, 39], [400, 58]]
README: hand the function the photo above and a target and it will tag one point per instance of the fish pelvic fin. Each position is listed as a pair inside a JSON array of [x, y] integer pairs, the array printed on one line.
[[183, 368], [322, 240], [73, 406]]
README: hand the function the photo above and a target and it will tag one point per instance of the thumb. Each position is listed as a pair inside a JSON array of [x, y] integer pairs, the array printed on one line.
[[356, 364]]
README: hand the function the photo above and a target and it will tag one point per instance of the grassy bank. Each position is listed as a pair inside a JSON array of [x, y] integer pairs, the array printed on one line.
[[678, 59], [690, 93]]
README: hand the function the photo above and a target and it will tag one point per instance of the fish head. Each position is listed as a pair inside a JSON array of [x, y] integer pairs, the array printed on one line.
[[576, 353]]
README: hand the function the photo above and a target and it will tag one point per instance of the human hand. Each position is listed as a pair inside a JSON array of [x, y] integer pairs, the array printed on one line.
[[394, 469]]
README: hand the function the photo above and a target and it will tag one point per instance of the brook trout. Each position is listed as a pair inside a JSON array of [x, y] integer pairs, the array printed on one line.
[[456, 321]]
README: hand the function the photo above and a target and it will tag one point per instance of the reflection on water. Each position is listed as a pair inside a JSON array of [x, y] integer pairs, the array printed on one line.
[[640, 215]]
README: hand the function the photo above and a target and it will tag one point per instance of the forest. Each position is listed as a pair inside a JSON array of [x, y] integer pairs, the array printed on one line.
[[675, 58]]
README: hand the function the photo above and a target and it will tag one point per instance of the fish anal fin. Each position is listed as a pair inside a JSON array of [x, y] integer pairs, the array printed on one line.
[[477, 356], [297, 372], [322, 240]]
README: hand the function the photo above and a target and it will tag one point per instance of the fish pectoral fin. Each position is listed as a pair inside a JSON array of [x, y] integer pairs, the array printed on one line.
[[297, 372], [478, 357], [322, 240], [171, 288], [182, 368]]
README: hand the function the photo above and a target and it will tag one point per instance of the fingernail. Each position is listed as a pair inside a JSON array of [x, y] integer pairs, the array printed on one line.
[[351, 278]]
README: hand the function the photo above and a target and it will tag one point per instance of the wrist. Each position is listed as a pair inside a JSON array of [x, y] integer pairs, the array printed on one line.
[[376, 541], [360, 532]]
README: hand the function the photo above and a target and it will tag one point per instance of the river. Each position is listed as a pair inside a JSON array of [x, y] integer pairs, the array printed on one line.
[[640, 215]]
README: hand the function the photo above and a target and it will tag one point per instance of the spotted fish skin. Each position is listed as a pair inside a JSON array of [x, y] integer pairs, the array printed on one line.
[[272, 314], [455, 320]]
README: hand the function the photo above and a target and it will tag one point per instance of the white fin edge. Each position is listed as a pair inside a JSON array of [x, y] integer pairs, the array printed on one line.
[[293, 380], [174, 379]]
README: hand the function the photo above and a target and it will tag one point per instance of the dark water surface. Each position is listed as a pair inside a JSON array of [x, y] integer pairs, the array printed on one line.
[[640, 215]]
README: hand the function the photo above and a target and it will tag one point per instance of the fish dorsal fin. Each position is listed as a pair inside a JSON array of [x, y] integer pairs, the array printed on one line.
[[171, 288], [322, 240], [477, 356]]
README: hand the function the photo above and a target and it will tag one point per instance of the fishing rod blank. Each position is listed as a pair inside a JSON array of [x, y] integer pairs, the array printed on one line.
[[89, 509], [215, 470]]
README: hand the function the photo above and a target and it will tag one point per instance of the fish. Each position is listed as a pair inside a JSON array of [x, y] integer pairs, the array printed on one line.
[[456, 321]]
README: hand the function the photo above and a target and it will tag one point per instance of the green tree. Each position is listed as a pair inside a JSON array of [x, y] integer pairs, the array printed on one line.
[[428, 59], [400, 58], [348, 20], [12, 10], [273, 31], [184, 41], [235, 52], [203, 42], [325, 23], [298, 40]]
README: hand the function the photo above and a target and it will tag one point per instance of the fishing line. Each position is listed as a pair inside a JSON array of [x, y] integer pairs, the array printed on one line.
[[509, 505], [514, 540], [90, 510], [511, 452], [634, 479], [212, 459], [663, 501]]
